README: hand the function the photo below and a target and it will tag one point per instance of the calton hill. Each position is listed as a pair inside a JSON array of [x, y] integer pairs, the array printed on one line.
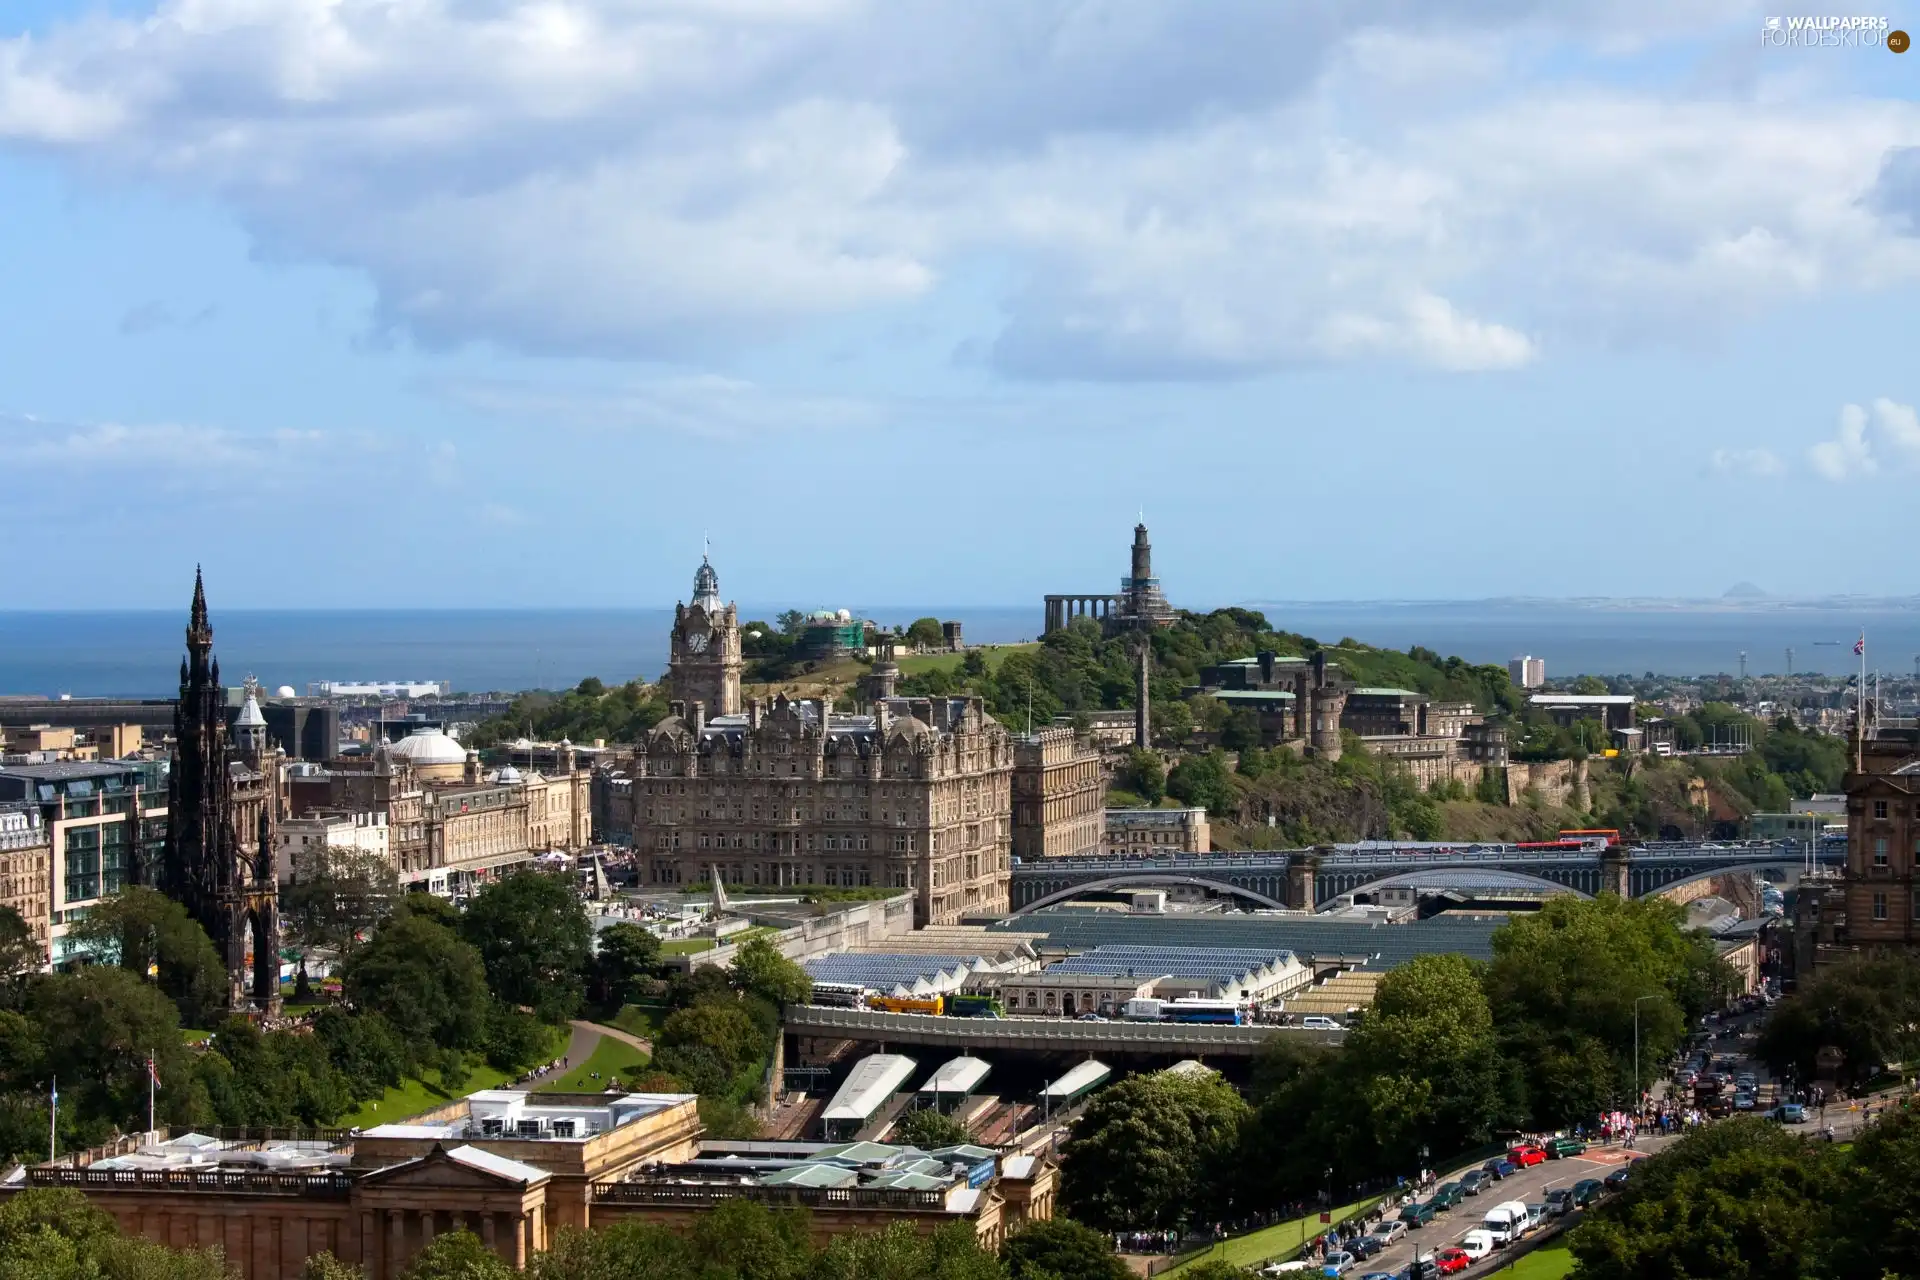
[[1206, 753]]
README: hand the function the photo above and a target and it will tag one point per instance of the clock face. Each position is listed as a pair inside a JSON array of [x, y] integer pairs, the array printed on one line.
[[697, 642]]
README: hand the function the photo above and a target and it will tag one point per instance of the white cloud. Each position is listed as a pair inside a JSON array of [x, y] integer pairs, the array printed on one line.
[[1898, 427], [1755, 463], [1168, 191], [1849, 454]]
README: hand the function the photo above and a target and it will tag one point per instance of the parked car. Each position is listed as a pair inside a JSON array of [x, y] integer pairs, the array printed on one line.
[[1559, 1200], [1416, 1216], [1586, 1191], [1563, 1146], [1364, 1247], [1744, 1101], [1617, 1179], [1390, 1230], [1526, 1156], [1472, 1181], [1501, 1168], [1336, 1264], [1477, 1244], [1447, 1195], [1452, 1261], [1788, 1113]]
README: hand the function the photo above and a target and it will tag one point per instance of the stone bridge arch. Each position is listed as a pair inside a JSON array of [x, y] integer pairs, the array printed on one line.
[[1147, 880], [1428, 875]]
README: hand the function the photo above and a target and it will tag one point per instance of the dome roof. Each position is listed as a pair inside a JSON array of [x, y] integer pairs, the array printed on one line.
[[250, 717], [429, 746], [507, 774]]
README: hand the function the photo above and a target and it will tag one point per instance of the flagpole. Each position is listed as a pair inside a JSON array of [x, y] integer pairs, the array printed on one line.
[[152, 1079], [53, 1123], [1860, 710]]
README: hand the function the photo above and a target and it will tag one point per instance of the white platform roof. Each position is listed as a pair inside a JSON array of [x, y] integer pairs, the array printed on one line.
[[1081, 1077], [872, 1082], [960, 1075]]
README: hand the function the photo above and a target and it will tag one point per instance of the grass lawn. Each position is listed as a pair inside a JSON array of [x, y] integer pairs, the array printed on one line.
[[686, 946], [193, 1036], [641, 1020], [1281, 1240], [611, 1058], [1549, 1262], [414, 1095], [920, 663]]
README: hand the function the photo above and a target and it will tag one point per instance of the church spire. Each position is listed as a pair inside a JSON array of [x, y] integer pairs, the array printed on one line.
[[199, 630]]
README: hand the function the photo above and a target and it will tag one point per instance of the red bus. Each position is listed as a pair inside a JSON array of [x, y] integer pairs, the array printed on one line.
[[1552, 846], [1608, 834]]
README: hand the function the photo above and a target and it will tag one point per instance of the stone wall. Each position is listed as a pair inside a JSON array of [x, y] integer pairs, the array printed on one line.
[[854, 924], [1552, 779]]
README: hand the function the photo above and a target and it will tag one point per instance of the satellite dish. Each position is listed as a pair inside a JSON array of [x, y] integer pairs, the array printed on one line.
[[285, 691]]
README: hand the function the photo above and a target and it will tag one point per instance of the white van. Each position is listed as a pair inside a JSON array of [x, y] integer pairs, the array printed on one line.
[[1319, 1022], [1506, 1222]]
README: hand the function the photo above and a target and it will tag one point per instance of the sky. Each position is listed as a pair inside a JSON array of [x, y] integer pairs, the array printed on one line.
[[442, 303]]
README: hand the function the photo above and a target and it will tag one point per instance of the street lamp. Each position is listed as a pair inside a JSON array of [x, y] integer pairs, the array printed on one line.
[[1422, 1171], [1637, 1108]]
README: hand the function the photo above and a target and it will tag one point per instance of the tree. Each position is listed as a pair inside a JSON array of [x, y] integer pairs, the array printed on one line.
[[324, 1266], [1153, 1152], [1206, 781], [929, 1130], [1563, 986], [1426, 1061], [148, 933], [950, 1252], [20, 952], [747, 1240], [53, 1234], [1873, 1230], [1061, 1249], [428, 984], [458, 1255], [623, 961], [720, 1026], [337, 895], [1214, 1269], [1738, 1199], [623, 1250], [759, 969], [98, 1027], [1868, 1007], [1144, 775], [926, 633], [535, 939]]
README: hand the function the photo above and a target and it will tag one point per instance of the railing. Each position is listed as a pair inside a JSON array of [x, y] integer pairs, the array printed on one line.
[[274, 1133], [708, 1195], [327, 1186], [1731, 850]]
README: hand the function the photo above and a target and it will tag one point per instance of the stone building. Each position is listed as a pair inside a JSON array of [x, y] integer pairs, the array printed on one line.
[[451, 825], [914, 795], [1152, 833], [25, 856], [1882, 891], [705, 661], [1059, 792], [515, 1168]]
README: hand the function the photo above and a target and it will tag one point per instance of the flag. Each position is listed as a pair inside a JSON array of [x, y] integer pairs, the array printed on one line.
[[1860, 646], [153, 1072]]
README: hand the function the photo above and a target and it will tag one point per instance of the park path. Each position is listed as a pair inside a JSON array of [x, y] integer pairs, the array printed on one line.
[[581, 1044], [594, 1031]]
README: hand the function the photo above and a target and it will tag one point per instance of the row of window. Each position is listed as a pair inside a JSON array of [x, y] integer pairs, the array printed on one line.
[[1880, 906], [779, 842], [1880, 851]]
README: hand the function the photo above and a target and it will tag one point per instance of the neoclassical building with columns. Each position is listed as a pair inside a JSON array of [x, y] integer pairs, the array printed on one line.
[[515, 1168]]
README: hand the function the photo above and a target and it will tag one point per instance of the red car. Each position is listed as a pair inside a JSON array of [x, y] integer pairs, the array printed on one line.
[[1452, 1261], [1527, 1156]]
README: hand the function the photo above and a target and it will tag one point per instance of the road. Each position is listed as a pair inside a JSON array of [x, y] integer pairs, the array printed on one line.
[[1531, 1185]]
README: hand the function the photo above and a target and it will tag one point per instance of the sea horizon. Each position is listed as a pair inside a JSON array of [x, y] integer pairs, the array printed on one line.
[[136, 652]]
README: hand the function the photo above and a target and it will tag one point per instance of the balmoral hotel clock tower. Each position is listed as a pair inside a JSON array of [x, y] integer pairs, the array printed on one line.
[[705, 663]]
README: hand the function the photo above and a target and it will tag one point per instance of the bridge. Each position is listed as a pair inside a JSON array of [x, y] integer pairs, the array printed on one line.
[[1306, 878], [1041, 1035]]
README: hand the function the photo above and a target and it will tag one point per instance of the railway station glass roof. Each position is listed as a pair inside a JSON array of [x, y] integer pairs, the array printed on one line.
[[1387, 945], [875, 1079], [959, 1075], [1078, 1080]]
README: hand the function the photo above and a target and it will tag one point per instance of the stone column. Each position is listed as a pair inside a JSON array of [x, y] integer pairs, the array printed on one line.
[[1616, 876], [486, 1230], [396, 1241], [1301, 869]]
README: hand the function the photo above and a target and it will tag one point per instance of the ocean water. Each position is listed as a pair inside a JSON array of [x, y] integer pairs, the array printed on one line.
[[137, 654]]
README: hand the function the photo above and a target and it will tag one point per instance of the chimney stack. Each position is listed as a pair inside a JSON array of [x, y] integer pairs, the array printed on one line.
[[1266, 666], [699, 717]]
